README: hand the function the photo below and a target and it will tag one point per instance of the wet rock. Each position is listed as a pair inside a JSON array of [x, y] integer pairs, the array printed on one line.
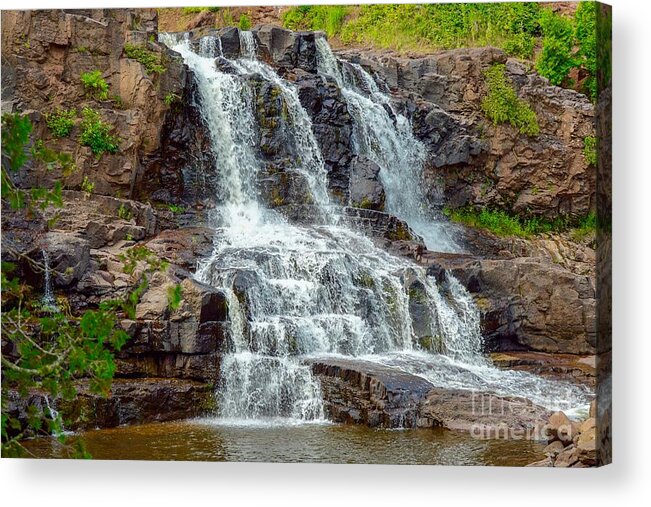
[[137, 402], [580, 369], [286, 48], [382, 225], [420, 316], [333, 128], [366, 191], [130, 401], [69, 257], [362, 392], [230, 39]]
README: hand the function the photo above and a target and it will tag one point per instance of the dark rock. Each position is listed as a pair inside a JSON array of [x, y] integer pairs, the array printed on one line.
[[332, 126], [136, 401], [286, 48], [382, 225], [362, 392], [230, 39], [366, 190]]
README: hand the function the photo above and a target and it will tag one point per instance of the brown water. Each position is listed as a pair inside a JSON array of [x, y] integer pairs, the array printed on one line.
[[207, 440]]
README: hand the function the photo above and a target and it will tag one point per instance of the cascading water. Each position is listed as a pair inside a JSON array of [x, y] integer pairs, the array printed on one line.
[[386, 137], [299, 291], [49, 301]]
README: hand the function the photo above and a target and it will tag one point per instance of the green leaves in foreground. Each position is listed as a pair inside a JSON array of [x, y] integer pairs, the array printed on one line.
[[47, 349]]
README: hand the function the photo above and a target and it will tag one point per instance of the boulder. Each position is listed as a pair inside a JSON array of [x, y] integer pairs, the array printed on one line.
[[364, 392], [559, 428], [333, 128]]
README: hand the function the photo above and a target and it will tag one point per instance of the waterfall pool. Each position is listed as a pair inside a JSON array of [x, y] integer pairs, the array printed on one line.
[[212, 440]]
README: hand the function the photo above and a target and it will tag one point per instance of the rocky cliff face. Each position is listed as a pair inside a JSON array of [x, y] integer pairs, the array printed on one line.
[[534, 295], [44, 56]]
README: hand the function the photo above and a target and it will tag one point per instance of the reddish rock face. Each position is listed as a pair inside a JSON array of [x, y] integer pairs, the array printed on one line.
[[46, 52]]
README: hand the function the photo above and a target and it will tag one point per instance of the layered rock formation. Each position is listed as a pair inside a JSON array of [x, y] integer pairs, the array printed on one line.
[[534, 295]]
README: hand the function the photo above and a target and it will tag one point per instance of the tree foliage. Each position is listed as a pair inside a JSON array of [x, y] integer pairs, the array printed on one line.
[[556, 58]]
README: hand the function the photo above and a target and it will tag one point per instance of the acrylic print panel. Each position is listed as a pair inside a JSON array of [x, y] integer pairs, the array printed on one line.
[[370, 234]]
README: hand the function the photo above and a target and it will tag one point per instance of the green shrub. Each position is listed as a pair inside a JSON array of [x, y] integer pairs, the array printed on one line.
[[151, 60], [124, 213], [95, 85], [502, 104], [61, 121], [501, 223], [175, 208], [96, 134], [590, 150], [197, 10], [87, 186], [520, 45], [171, 98], [245, 22], [586, 226], [556, 58]]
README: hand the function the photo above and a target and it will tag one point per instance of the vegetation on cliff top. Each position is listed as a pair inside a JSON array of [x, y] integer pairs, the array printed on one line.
[[557, 42]]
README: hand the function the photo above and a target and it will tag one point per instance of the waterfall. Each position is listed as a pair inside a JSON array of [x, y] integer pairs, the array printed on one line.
[[49, 301], [386, 137], [297, 292]]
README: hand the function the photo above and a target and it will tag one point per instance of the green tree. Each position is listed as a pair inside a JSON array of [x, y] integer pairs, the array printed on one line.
[[556, 58]]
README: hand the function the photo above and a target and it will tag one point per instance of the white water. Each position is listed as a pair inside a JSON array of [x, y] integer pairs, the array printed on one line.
[[48, 300], [322, 289], [386, 137]]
